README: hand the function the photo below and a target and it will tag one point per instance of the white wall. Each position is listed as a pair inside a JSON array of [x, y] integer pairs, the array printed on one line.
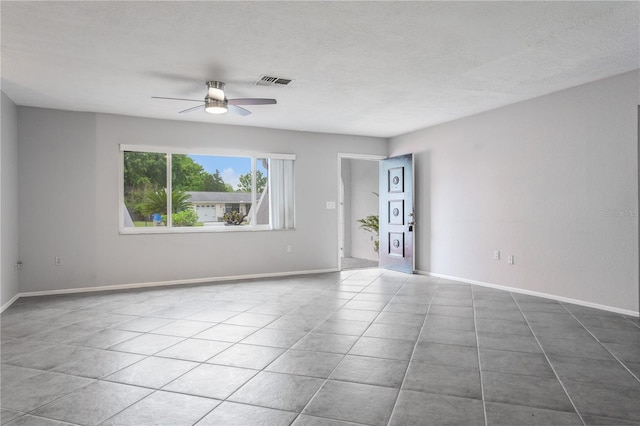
[[552, 181], [69, 200], [364, 183], [9, 200]]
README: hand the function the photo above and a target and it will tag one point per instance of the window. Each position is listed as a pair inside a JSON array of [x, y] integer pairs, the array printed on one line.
[[209, 191]]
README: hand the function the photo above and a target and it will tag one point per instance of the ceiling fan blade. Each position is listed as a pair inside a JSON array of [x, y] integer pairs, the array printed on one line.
[[238, 110], [178, 99], [191, 109], [252, 101]]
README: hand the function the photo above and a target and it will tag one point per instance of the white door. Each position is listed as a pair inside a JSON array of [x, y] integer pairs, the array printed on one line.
[[396, 214]]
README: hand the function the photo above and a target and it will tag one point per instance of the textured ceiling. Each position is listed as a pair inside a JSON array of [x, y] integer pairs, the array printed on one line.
[[366, 68]]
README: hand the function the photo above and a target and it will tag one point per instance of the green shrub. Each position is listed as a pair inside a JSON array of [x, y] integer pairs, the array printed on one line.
[[234, 218], [184, 218], [371, 224], [156, 201]]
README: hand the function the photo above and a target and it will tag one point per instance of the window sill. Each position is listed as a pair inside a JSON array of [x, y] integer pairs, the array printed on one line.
[[197, 229]]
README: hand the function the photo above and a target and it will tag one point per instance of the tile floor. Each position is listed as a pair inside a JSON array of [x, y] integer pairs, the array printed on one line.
[[357, 263], [367, 347]]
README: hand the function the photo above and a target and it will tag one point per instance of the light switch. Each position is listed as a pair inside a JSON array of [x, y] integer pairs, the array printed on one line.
[[331, 205]]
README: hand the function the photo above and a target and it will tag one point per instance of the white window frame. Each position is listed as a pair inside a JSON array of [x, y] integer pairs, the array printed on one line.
[[169, 229]]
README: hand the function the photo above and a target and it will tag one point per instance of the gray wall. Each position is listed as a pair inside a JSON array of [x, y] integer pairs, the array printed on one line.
[[9, 200], [552, 181], [68, 177]]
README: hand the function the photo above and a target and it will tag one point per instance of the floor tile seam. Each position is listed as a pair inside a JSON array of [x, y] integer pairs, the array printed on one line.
[[110, 348], [441, 343], [31, 412], [630, 329], [253, 404], [8, 361], [199, 363], [287, 350], [67, 341], [321, 350], [377, 356], [219, 400], [475, 326], [113, 372], [453, 316], [344, 356], [415, 346], [442, 394], [557, 376], [508, 350], [46, 418], [448, 329], [205, 414], [127, 407], [329, 418], [637, 325], [531, 406], [522, 375], [61, 373], [105, 378], [387, 338], [637, 377], [365, 383]]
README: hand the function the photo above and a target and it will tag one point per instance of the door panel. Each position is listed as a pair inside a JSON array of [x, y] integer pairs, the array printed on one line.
[[396, 214]]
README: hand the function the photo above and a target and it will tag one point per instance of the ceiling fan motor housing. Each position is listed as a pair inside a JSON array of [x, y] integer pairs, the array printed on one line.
[[215, 90]]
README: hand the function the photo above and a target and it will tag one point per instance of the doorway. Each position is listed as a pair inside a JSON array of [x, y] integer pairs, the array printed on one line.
[[358, 189]]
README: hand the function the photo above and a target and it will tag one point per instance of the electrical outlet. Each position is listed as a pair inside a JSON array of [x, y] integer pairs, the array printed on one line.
[[496, 254], [510, 259], [58, 261], [289, 249]]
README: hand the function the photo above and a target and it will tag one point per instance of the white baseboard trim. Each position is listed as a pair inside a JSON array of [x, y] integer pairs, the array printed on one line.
[[163, 283], [6, 305], [535, 293]]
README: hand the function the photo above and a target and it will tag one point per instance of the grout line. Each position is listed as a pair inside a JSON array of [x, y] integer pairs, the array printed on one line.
[[287, 350], [145, 356], [315, 289], [548, 360], [345, 355], [604, 346], [415, 346], [475, 326], [200, 363]]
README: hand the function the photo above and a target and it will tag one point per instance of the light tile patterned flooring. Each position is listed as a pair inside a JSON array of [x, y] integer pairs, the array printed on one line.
[[368, 347]]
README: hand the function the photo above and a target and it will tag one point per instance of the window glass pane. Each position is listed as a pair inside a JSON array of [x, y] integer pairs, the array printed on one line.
[[145, 180], [207, 187]]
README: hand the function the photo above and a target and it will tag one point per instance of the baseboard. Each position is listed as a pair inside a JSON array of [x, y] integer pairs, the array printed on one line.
[[535, 293], [6, 305], [163, 283]]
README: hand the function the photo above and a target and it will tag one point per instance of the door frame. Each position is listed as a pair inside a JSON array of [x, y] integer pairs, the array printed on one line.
[[340, 209]]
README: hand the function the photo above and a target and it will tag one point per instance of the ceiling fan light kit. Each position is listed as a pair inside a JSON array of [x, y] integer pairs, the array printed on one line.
[[216, 102], [215, 106]]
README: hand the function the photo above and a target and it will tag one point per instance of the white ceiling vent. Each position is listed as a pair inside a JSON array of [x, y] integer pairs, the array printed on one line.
[[267, 80]]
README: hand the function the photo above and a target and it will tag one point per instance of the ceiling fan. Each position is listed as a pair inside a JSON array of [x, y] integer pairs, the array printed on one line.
[[216, 101]]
